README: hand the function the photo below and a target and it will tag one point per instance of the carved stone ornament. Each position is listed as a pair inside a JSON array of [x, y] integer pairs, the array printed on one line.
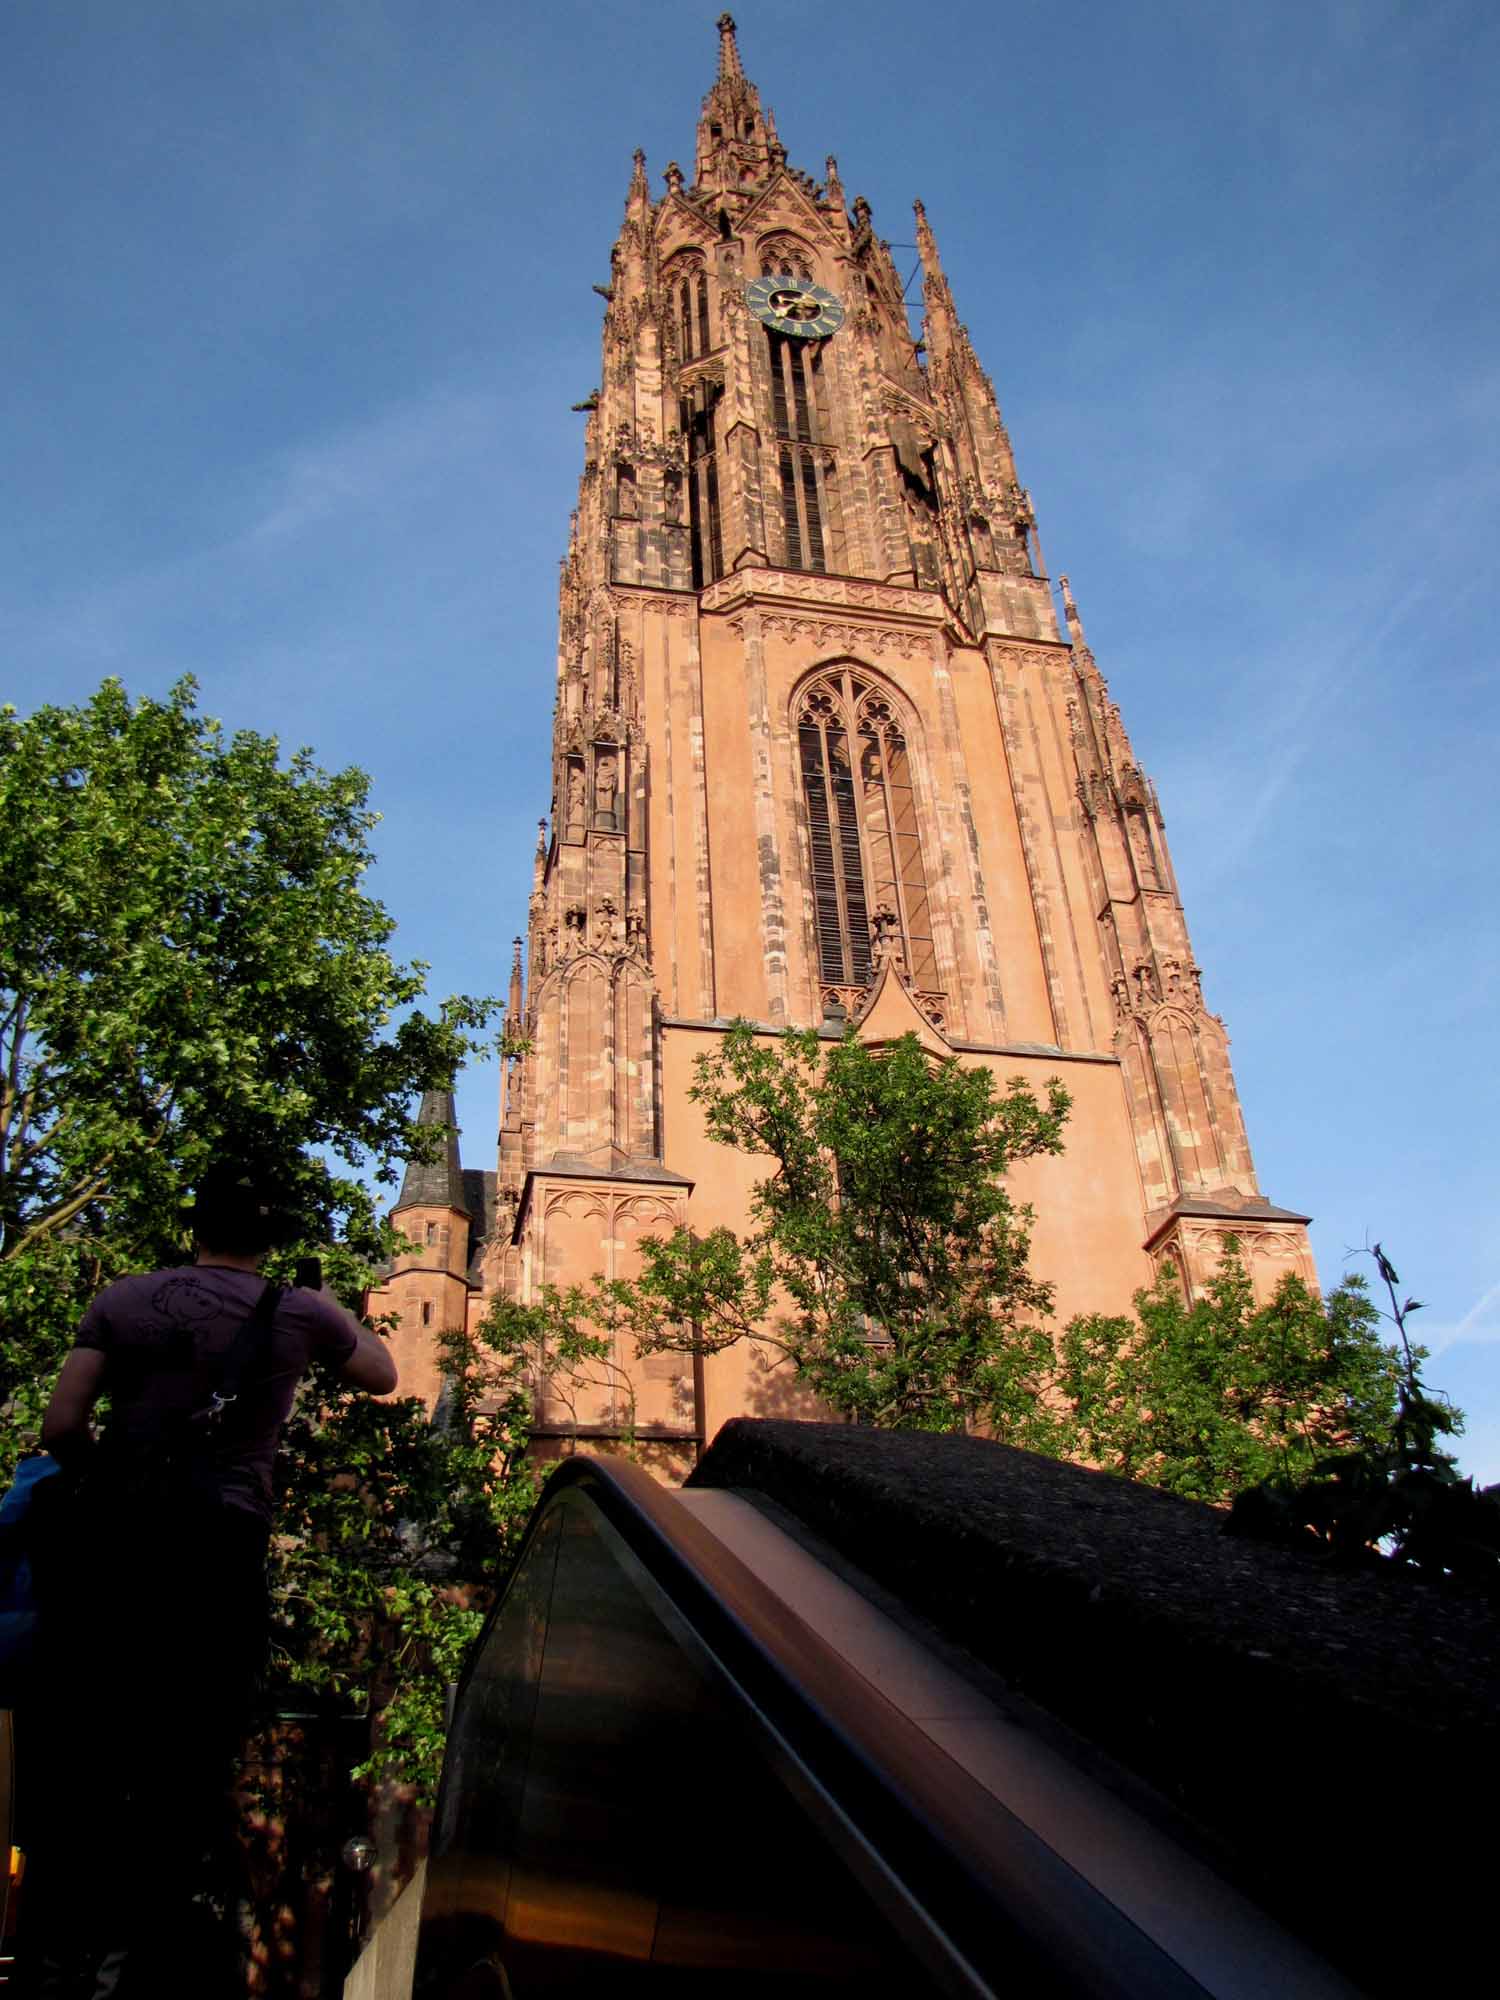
[[855, 639], [849, 593], [575, 810], [885, 940], [606, 785], [896, 403]]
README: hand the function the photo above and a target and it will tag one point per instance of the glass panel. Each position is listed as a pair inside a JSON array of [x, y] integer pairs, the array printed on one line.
[[880, 857], [613, 1821], [825, 888], [856, 911]]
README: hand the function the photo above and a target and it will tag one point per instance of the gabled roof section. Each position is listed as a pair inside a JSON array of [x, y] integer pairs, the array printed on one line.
[[890, 1012], [783, 203], [435, 1183], [676, 215]]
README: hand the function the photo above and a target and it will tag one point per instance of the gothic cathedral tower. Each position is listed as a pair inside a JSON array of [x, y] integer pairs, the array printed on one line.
[[823, 753]]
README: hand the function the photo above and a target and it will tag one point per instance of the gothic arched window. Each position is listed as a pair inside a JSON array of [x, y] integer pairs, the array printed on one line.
[[687, 297], [869, 884], [687, 294]]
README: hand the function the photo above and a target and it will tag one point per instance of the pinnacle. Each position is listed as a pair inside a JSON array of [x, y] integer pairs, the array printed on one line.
[[729, 54]]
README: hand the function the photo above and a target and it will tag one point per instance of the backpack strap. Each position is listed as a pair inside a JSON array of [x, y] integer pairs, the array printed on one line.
[[245, 1349]]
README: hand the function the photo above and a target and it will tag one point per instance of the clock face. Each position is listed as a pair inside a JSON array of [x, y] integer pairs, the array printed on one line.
[[792, 305]]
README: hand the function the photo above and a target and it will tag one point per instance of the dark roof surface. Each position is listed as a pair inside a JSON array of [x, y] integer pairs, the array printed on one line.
[[479, 1185], [435, 1183], [1299, 1714]]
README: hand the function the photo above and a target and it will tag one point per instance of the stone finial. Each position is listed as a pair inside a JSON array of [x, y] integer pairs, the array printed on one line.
[[640, 187], [1070, 612], [932, 267], [729, 53], [673, 178]]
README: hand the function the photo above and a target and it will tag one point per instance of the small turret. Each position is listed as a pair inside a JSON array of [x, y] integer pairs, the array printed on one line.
[[435, 1183]]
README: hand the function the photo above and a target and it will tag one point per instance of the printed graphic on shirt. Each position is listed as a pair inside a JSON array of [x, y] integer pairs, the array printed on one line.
[[186, 1301]]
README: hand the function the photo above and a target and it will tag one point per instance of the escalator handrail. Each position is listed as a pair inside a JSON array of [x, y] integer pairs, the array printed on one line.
[[991, 1891]]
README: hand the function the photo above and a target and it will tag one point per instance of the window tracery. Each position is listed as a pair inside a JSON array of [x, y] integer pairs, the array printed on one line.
[[870, 896], [687, 299], [786, 256]]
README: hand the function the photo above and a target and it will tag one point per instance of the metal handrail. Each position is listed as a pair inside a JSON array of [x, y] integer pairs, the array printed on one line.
[[986, 1902]]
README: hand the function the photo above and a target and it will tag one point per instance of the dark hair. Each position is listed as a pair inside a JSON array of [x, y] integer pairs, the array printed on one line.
[[235, 1209]]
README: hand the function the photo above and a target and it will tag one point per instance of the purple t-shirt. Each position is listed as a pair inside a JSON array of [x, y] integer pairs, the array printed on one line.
[[167, 1335]]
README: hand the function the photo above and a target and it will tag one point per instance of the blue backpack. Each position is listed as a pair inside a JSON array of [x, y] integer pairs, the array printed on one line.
[[18, 1605]]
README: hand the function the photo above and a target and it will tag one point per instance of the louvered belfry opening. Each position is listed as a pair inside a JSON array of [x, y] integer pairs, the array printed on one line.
[[804, 462], [692, 316], [794, 417], [695, 416], [867, 865]]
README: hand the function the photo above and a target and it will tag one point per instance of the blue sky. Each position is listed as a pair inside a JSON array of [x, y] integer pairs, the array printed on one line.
[[298, 298]]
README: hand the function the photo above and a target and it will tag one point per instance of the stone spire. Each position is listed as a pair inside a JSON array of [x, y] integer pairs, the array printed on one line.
[[435, 1183], [729, 51], [638, 194], [736, 147], [941, 329]]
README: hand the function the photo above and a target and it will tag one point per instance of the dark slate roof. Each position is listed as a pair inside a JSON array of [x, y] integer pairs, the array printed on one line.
[[1317, 1725], [480, 1185], [1241, 1208], [435, 1183]]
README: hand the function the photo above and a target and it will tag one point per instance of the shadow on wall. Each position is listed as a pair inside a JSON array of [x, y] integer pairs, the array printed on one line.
[[773, 1390]]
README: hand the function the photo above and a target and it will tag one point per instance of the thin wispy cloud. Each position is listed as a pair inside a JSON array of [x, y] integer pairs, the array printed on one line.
[[1481, 1323], [367, 465]]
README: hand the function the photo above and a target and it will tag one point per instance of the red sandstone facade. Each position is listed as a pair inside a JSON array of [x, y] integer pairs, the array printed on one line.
[[822, 749]]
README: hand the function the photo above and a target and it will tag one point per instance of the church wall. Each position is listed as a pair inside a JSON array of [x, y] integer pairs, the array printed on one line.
[[1025, 1014], [427, 1292], [1086, 1238], [733, 751]]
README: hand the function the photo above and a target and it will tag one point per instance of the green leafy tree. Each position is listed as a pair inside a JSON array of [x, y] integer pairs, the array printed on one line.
[[393, 1532], [1396, 1489], [888, 1264], [189, 967], [1209, 1398]]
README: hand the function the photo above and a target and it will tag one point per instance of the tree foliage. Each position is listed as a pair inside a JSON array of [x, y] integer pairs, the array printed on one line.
[[1206, 1399], [1394, 1490], [393, 1531], [190, 969], [887, 1263]]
